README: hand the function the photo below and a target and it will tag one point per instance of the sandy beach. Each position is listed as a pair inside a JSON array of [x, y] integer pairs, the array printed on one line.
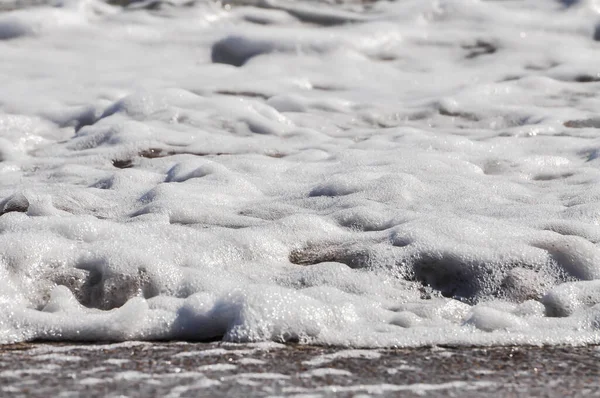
[[136, 369]]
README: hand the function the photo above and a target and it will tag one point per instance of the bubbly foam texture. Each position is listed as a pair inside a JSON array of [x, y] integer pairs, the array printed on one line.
[[365, 174]]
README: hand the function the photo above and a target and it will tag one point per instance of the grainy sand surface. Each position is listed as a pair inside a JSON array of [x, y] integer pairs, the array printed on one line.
[[139, 369]]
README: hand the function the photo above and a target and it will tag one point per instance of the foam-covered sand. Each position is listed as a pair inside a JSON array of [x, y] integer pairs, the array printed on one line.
[[381, 174]]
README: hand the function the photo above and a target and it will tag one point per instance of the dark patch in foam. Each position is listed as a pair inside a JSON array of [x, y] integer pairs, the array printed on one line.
[[122, 164], [192, 326], [77, 118], [150, 153], [349, 254], [464, 115], [479, 48], [105, 183], [96, 287], [150, 5], [15, 202], [326, 87], [587, 78], [331, 190], [583, 123], [235, 51], [473, 281], [154, 153], [250, 94], [552, 176], [542, 66], [510, 78], [448, 275], [364, 225], [384, 57], [445, 273], [158, 153], [569, 3], [590, 155]]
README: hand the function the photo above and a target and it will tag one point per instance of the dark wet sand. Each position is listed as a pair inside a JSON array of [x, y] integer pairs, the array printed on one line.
[[214, 369]]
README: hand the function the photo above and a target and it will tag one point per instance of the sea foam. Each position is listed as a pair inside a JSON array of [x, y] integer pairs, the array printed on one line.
[[365, 174]]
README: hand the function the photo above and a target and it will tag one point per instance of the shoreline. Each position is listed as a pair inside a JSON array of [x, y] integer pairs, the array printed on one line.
[[24, 345]]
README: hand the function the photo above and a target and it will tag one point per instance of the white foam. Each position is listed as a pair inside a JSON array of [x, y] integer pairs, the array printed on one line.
[[250, 361], [58, 358], [324, 372], [116, 361], [217, 367], [379, 389], [203, 383], [45, 369], [131, 375], [261, 376], [390, 174], [91, 381], [342, 354]]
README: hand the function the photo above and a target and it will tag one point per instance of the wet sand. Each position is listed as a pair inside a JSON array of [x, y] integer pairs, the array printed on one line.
[[139, 369]]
